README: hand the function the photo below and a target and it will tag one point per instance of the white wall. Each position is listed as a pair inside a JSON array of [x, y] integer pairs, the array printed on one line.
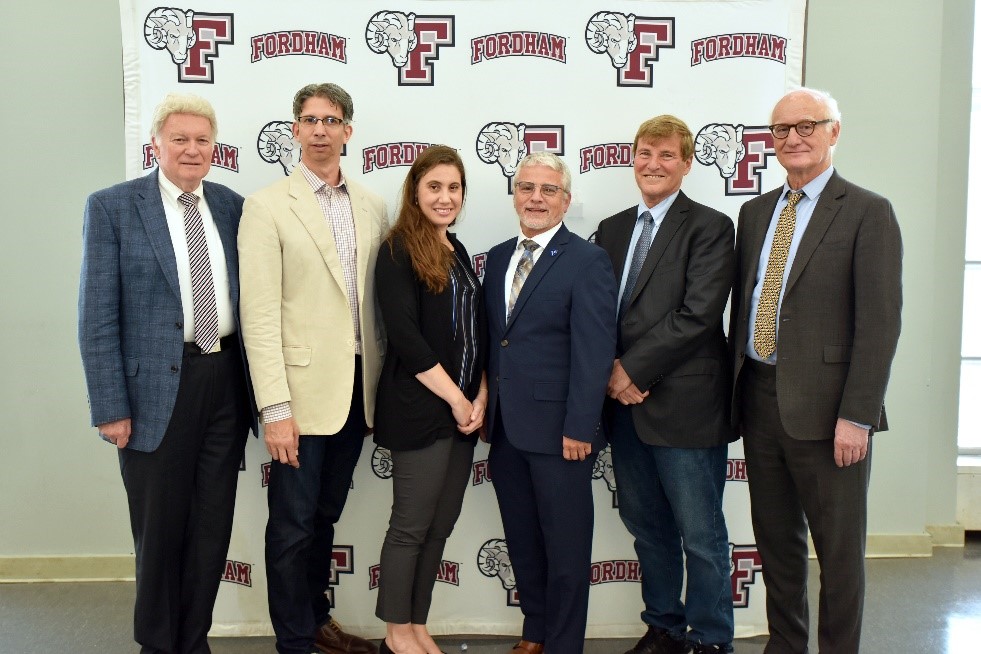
[[901, 74]]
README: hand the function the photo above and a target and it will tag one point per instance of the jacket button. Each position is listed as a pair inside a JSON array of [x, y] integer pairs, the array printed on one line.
[[173, 369], [179, 325], [504, 343]]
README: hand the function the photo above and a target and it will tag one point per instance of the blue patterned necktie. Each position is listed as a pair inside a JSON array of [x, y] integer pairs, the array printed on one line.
[[637, 262]]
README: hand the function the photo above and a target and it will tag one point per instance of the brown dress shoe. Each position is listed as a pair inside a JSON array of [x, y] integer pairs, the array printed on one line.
[[330, 639], [525, 647]]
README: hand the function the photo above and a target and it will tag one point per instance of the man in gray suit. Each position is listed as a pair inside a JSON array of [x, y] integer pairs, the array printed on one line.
[[157, 328], [669, 394], [814, 323]]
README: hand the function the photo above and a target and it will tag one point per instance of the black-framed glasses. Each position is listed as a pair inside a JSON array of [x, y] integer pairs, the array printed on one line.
[[328, 121], [803, 128], [548, 190]]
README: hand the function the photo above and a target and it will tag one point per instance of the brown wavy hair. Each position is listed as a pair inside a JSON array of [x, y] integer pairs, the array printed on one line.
[[431, 260]]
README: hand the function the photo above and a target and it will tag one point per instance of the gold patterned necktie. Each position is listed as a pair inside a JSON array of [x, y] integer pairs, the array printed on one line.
[[525, 264], [765, 327]]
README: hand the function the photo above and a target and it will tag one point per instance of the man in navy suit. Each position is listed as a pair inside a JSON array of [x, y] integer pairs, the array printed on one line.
[[157, 328], [669, 419], [551, 306]]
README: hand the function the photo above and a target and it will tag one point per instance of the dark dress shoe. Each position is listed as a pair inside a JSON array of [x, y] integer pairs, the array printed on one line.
[[526, 647], [659, 641], [700, 648], [330, 639]]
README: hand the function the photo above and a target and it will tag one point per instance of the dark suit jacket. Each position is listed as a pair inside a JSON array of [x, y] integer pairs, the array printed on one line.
[[840, 319], [130, 319], [671, 329], [418, 323], [548, 365]]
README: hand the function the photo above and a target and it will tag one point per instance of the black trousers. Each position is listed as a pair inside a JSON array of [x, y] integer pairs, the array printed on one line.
[[181, 501]]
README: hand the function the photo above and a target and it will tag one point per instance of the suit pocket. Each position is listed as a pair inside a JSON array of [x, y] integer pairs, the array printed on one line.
[[131, 365], [551, 391], [837, 353], [297, 355]]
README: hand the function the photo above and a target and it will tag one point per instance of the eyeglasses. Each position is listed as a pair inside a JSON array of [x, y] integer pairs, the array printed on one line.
[[804, 128], [311, 121], [548, 190]]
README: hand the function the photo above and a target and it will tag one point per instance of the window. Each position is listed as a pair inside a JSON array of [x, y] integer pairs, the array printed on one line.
[[969, 423]]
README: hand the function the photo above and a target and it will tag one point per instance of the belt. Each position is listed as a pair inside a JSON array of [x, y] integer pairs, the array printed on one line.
[[760, 368], [224, 343]]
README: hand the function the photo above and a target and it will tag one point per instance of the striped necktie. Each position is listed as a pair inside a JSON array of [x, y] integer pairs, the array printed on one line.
[[637, 262], [525, 264], [202, 282]]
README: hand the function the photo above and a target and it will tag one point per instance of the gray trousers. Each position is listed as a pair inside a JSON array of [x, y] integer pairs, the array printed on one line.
[[427, 488]]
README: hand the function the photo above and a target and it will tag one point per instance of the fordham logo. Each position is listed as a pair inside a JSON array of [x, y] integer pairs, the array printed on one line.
[[605, 155], [387, 155], [448, 573], [381, 462], [299, 42], [736, 470], [604, 572], [341, 562], [603, 469], [744, 564], [746, 44], [493, 560], [222, 156], [237, 572], [739, 152], [633, 44], [192, 39], [479, 262], [481, 473], [276, 144], [507, 143], [265, 468], [517, 44], [412, 43]]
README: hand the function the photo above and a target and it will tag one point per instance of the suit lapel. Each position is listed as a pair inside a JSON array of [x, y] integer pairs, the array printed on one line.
[[227, 232], [754, 237], [824, 213], [306, 209], [150, 207], [673, 220], [497, 265], [549, 256], [362, 230]]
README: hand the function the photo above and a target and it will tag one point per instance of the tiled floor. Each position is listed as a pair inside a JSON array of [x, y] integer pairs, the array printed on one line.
[[913, 606]]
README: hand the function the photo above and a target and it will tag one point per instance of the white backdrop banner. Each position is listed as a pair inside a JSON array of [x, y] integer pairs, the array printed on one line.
[[495, 80]]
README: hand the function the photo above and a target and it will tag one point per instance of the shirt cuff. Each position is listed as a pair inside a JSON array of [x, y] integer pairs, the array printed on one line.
[[858, 424], [276, 412]]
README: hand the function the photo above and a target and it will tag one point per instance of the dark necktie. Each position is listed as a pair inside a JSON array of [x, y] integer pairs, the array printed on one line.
[[202, 282], [637, 262]]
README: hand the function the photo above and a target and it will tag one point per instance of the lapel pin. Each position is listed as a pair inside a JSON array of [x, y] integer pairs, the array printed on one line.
[[553, 252]]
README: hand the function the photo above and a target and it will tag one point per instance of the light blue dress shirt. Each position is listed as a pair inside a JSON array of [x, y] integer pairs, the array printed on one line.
[[658, 212]]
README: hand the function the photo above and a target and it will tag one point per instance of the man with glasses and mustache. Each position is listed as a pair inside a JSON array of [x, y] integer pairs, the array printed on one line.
[[551, 303], [308, 245], [814, 323]]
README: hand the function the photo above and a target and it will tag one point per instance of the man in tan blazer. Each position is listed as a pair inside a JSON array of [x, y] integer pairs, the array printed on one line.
[[307, 246], [814, 325]]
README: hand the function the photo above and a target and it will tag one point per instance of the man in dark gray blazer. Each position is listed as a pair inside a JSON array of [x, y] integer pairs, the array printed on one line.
[[157, 328], [814, 323], [669, 393]]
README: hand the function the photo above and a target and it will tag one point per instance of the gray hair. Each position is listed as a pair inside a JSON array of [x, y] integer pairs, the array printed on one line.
[[823, 97], [183, 103], [330, 92], [549, 160]]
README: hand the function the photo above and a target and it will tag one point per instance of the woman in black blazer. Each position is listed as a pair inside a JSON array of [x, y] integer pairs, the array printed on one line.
[[432, 392]]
